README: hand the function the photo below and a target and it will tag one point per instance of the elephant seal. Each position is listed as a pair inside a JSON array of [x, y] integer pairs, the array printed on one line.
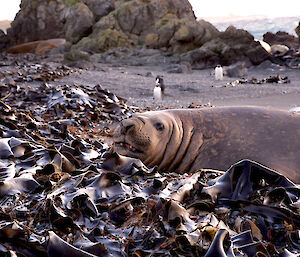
[[185, 140], [37, 47]]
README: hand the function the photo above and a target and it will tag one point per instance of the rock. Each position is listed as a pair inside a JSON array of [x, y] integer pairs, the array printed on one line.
[[281, 38], [268, 65], [3, 41], [105, 40], [237, 70], [230, 46], [98, 25], [135, 57], [100, 8], [78, 21], [167, 24], [76, 55], [297, 30], [179, 68], [256, 53], [78, 59], [37, 20]]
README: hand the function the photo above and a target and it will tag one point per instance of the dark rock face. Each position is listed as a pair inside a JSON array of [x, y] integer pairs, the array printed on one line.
[[37, 20], [98, 26], [281, 38], [78, 21], [3, 40], [100, 8], [156, 24], [230, 46], [297, 30]]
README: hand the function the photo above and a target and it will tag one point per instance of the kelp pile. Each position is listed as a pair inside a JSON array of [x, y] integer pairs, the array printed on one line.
[[65, 193], [271, 79], [29, 68]]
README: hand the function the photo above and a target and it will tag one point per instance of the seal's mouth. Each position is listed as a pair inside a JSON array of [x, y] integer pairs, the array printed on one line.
[[127, 147]]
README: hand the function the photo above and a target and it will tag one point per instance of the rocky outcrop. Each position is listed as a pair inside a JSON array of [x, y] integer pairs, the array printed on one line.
[[156, 24], [3, 40], [297, 30], [37, 20], [98, 26], [100, 8], [281, 38], [230, 46], [78, 21]]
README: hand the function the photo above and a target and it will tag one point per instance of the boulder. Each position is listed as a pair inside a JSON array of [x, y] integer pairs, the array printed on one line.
[[37, 20], [297, 30], [178, 68], [236, 70], [231, 46], [3, 41], [281, 38], [78, 20], [98, 25], [100, 8], [167, 24], [136, 57]]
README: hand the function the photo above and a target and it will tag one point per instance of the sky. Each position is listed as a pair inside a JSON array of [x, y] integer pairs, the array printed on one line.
[[205, 8]]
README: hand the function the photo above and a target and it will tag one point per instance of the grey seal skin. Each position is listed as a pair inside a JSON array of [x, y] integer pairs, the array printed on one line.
[[185, 140]]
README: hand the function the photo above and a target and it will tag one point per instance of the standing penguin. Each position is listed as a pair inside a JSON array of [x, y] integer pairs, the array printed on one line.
[[219, 73], [159, 88]]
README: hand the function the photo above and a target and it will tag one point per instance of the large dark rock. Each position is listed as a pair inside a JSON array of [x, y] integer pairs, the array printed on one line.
[[281, 38], [297, 30], [78, 21], [157, 24], [98, 26], [3, 41], [100, 8], [229, 47], [37, 20]]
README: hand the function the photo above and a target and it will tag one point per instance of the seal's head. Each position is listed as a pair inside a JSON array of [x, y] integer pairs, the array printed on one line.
[[145, 135]]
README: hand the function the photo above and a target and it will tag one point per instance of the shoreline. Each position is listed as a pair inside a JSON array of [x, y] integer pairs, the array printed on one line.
[[136, 85]]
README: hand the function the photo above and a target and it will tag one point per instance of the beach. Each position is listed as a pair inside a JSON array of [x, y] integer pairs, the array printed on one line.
[[199, 87]]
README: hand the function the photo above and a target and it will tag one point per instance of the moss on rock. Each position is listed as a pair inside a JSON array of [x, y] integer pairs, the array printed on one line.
[[151, 40], [112, 38], [72, 2]]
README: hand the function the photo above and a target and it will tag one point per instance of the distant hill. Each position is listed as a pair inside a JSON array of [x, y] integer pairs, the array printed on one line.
[[4, 25]]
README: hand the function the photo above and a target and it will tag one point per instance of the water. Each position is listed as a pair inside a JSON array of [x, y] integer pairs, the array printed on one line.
[[258, 25]]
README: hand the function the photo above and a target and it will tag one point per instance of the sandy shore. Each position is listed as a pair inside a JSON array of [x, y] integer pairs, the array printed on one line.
[[199, 87]]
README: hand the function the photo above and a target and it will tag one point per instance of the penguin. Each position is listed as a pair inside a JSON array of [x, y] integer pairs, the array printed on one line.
[[159, 88], [219, 73], [157, 93]]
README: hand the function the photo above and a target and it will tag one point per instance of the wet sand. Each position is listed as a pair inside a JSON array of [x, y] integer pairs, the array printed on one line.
[[199, 87]]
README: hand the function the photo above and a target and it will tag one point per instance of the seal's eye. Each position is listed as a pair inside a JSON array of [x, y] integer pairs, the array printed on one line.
[[159, 126]]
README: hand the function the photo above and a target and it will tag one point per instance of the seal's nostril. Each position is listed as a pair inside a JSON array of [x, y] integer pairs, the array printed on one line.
[[126, 126], [129, 127]]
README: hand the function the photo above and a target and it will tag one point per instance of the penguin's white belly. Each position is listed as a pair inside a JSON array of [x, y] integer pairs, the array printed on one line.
[[219, 73], [157, 95]]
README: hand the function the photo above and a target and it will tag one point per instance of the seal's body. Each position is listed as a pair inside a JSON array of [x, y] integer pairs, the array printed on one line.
[[37, 47], [214, 138]]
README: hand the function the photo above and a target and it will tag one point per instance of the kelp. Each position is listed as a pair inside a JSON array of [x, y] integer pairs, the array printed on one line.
[[64, 192]]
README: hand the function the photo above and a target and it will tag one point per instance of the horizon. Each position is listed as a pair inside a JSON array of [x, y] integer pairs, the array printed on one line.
[[230, 9]]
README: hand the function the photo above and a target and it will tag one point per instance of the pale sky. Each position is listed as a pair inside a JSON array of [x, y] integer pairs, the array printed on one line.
[[205, 8]]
